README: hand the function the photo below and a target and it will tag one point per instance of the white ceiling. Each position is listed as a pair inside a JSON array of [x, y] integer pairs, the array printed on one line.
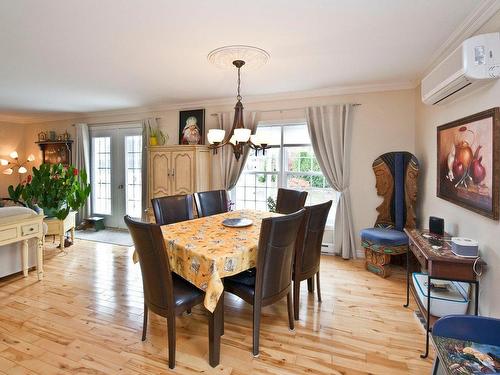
[[92, 55]]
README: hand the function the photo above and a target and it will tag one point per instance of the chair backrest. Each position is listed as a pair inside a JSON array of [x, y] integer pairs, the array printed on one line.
[[289, 200], [155, 266], [396, 181], [275, 257], [210, 203], [479, 329], [310, 238], [172, 209]]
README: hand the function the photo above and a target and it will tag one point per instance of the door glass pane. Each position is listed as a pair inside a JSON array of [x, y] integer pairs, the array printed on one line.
[[101, 182], [133, 175]]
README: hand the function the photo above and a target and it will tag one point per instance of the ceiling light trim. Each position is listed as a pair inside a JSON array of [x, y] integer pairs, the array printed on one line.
[[223, 57]]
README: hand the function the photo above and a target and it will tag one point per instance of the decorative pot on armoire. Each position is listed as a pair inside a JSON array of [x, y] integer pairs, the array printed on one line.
[[174, 170]]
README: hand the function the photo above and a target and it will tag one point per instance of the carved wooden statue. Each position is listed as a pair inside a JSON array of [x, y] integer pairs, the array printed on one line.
[[396, 182]]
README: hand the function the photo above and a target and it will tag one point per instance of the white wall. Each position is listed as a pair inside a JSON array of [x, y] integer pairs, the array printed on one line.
[[11, 138], [384, 122], [460, 221]]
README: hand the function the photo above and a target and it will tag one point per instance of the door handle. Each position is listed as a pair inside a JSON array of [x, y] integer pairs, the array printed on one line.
[[173, 172], [120, 186]]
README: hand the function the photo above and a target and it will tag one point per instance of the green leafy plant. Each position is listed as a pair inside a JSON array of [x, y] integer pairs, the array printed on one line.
[[158, 134], [56, 189], [271, 204]]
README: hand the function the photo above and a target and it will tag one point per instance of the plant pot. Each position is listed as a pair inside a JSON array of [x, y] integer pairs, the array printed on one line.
[[153, 141], [50, 212]]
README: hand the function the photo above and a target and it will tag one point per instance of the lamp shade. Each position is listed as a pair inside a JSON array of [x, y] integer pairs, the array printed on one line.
[[215, 136], [22, 170], [242, 135], [255, 139], [31, 157], [8, 171], [14, 155], [4, 162], [232, 140]]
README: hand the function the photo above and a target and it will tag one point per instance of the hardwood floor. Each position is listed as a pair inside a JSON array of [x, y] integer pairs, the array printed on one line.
[[85, 317]]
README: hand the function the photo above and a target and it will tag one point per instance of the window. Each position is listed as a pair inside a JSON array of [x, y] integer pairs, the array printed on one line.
[[133, 175], [289, 163], [101, 184]]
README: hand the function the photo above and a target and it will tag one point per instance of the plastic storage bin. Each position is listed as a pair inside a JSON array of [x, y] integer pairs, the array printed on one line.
[[452, 300]]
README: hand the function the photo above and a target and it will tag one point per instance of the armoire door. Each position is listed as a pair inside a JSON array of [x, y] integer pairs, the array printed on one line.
[[160, 182], [182, 172]]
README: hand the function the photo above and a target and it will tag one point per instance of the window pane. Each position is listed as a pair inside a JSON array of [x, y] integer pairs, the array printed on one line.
[[300, 159], [101, 182], [272, 134], [296, 134]]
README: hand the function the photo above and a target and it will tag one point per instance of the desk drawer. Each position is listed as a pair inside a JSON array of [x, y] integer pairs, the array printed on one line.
[[29, 229], [418, 254], [8, 234]]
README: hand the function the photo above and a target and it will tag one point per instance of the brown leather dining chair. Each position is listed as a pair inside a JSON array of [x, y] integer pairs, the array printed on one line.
[[210, 203], [172, 209], [271, 280], [308, 251], [289, 200], [165, 293]]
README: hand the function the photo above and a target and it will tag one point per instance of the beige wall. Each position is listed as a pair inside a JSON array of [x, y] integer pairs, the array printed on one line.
[[460, 221], [384, 122], [11, 138]]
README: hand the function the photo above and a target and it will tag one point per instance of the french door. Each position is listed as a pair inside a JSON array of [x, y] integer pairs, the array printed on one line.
[[116, 173]]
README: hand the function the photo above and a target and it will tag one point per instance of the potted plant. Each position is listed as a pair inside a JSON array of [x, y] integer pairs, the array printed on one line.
[[56, 189], [156, 137]]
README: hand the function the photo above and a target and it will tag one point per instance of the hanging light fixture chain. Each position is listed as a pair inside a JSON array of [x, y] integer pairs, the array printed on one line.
[[239, 84]]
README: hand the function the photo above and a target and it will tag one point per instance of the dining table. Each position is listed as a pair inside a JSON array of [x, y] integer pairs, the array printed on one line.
[[204, 251]]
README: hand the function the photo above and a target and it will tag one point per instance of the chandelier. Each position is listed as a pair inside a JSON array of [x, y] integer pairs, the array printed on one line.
[[239, 137], [21, 167]]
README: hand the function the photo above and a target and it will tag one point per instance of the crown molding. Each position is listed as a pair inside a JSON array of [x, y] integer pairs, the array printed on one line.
[[481, 14], [34, 118]]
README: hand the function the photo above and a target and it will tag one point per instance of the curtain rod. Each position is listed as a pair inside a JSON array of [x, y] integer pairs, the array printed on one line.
[[286, 109], [118, 122]]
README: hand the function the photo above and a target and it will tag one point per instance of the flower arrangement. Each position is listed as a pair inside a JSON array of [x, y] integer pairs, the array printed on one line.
[[156, 137], [56, 189]]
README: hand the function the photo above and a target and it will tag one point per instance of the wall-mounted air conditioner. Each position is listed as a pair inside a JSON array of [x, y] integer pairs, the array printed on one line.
[[476, 61]]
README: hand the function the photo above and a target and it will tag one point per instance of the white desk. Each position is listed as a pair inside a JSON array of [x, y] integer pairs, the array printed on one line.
[[21, 228]]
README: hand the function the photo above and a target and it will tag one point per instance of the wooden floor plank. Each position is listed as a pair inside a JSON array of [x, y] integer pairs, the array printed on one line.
[[85, 317]]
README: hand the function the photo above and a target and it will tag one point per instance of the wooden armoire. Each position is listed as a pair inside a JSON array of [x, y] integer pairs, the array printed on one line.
[[180, 169]]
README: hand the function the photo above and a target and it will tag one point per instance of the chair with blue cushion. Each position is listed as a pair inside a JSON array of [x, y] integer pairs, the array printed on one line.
[[396, 181], [477, 329]]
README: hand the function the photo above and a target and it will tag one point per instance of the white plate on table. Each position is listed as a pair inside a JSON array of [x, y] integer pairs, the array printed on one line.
[[237, 222]]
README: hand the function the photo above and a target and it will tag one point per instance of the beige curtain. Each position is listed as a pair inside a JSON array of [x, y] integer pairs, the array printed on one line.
[[330, 131], [146, 123], [82, 161], [231, 169]]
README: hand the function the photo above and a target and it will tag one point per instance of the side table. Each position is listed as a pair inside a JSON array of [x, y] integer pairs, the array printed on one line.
[[56, 227]]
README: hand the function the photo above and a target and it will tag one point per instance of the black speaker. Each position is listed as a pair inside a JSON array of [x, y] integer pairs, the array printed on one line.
[[436, 225]]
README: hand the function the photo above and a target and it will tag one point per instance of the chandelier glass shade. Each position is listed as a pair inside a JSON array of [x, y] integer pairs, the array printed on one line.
[[21, 167], [239, 137]]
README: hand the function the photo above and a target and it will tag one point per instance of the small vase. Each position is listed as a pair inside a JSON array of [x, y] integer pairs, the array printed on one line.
[[153, 141]]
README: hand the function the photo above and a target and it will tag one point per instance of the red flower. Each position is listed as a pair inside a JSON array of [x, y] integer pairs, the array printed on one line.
[[29, 178], [75, 172]]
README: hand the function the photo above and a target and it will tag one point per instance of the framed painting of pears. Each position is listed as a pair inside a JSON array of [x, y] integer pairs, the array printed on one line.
[[468, 162]]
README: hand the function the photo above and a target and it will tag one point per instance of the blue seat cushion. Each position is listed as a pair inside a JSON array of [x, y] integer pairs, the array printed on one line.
[[384, 236]]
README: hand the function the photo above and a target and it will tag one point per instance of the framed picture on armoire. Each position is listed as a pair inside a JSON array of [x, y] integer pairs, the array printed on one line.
[[468, 162], [191, 127]]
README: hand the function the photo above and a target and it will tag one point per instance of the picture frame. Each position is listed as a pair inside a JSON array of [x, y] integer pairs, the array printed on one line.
[[468, 162], [192, 127]]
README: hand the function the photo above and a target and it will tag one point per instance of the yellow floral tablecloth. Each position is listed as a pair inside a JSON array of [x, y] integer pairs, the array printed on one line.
[[203, 251]]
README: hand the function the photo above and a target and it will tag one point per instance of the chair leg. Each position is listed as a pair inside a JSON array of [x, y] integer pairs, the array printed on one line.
[[290, 311], [256, 329], [296, 299], [171, 340], [188, 312], [310, 284], [145, 322], [318, 286], [435, 366]]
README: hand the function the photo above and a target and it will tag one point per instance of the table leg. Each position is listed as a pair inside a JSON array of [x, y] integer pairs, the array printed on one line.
[[24, 257], [428, 322], [214, 333], [61, 239], [435, 366], [476, 300], [39, 259], [72, 235], [407, 279]]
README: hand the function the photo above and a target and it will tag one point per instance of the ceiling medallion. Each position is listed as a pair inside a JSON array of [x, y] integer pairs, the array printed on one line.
[[239, 137]]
